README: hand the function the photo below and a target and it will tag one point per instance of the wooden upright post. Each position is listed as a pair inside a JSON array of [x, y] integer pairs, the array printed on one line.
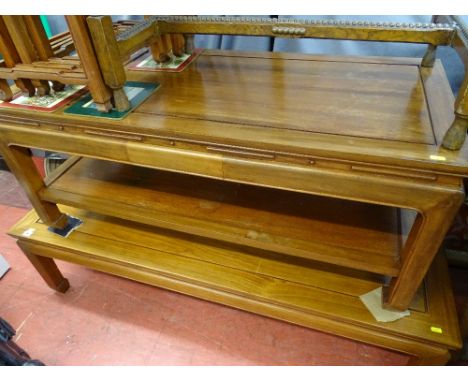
[[5, 91], [11, 58], [456, 134], [99, 91], [110, 62], [158, 51], [430, 55], [178, 44], [41, 42]]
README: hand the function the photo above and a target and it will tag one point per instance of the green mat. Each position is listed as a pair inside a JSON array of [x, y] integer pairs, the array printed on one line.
[[137, 92]]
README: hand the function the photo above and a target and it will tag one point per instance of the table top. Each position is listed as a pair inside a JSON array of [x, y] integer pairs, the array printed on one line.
[[386, 111]]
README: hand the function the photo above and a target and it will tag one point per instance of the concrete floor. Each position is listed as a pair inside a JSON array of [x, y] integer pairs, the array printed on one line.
[[107, 320]]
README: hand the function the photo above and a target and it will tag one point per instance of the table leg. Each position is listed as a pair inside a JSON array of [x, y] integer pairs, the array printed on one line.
[[108, 55], [41, 42], [47, 269], [158, 52], [20, 162], [178, 44], [83, 44], [422, 245]]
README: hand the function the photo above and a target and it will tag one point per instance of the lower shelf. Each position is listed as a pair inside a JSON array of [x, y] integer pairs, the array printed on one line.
[[345, 233], [304, 292]]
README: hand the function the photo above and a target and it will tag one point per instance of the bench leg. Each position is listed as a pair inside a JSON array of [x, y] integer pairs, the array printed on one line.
[[47, 269]]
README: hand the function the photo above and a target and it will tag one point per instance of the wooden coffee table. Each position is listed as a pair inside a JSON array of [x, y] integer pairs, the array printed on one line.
[[365, 133]]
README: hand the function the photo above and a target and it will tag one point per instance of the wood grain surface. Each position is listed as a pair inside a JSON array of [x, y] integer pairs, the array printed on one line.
[[348, 99], [394, 131], [356, 235]]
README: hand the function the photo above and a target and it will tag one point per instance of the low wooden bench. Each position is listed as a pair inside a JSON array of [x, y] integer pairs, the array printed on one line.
[[303, 292]]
